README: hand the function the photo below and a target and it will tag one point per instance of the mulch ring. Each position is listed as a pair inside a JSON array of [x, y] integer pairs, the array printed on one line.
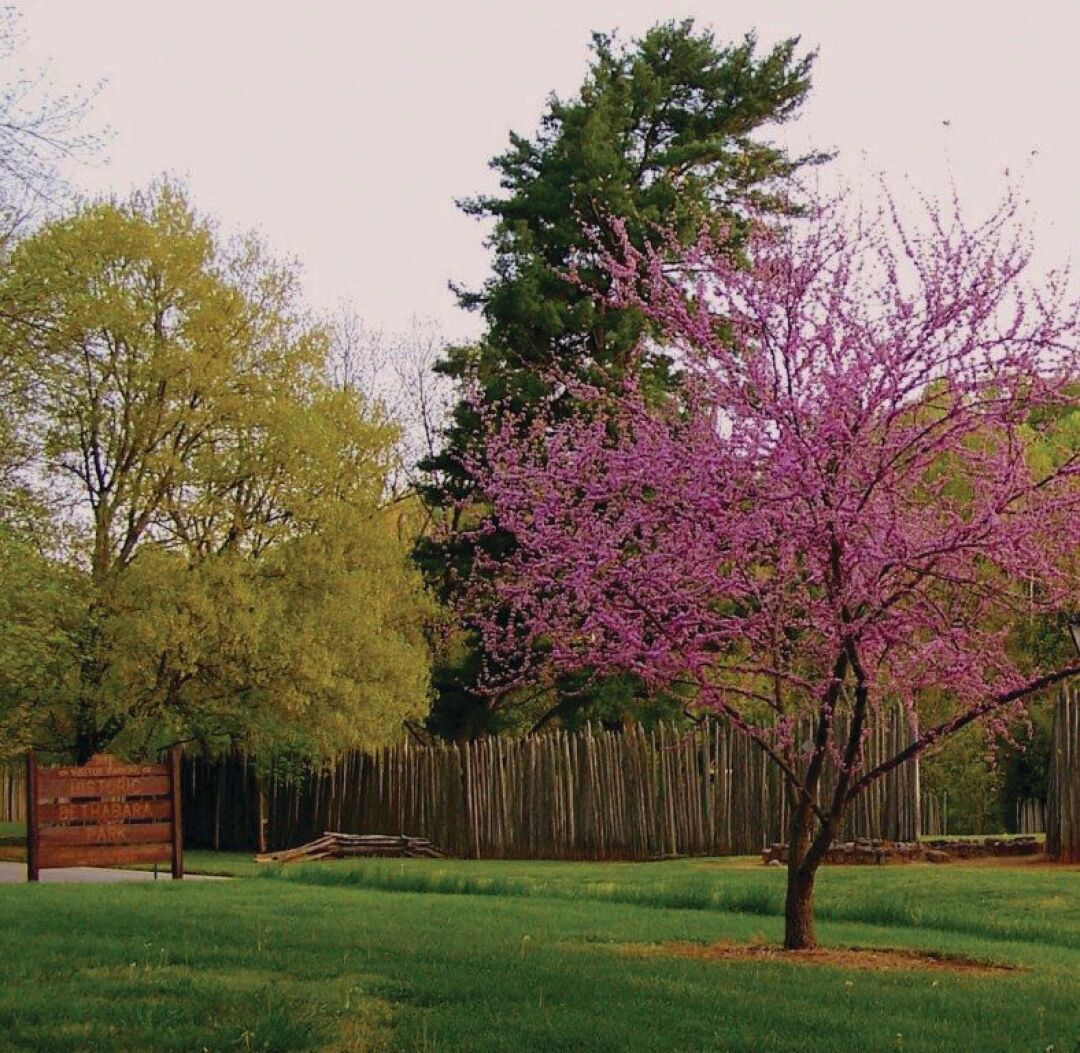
[[871, 958]]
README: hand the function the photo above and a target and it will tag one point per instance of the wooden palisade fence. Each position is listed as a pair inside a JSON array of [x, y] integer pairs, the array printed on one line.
[[1063, 793], [12, 794], [630, 794], [1031, 816], [591, 795]]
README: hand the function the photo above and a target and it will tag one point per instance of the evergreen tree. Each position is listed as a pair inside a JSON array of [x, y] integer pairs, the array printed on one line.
[[665, 131]]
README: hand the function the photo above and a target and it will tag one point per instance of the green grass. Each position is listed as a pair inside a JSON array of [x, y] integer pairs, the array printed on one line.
[[986, 901], [221, 864], [217, 864], [415, 955], [196, 860]]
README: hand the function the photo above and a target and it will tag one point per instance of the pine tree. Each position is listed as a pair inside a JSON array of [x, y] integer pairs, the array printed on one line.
[[665, 131]]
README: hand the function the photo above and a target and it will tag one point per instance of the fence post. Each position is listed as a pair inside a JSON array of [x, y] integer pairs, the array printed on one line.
[[177, 818], [1063, 796], [31, 818]]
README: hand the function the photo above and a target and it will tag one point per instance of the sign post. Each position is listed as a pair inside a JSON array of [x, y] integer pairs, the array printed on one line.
[[177, 824], [103, 813]]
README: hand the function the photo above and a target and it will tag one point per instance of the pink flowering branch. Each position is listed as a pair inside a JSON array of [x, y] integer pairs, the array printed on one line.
[[836, 511]]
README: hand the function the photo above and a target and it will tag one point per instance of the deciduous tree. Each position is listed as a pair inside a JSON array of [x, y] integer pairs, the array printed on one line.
[[219, 501], [840, 510], [43, 130]]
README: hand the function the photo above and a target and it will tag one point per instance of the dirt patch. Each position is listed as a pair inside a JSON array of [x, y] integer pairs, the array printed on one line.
[[834, 957]]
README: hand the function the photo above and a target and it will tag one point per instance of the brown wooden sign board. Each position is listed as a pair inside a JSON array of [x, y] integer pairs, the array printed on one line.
[[104, 813]]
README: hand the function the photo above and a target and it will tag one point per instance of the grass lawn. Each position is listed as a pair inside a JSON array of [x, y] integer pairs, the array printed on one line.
[[416, 955]]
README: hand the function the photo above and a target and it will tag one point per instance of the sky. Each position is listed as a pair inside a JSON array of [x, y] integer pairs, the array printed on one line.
[[344, 130]]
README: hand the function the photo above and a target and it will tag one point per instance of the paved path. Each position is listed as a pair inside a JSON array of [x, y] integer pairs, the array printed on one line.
[[16, 872]]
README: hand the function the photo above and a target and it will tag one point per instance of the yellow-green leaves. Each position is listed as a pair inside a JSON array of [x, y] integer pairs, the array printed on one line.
[[221, 503]]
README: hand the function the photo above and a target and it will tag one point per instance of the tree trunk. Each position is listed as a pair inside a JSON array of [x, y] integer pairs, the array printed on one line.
[[260, 789], [802, 869], [90, 737], [85, 744], [799, 910], [218, 790], [92, 668]]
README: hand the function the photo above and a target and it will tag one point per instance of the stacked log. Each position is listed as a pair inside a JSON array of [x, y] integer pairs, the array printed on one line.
[[880, 851], [333, 845]]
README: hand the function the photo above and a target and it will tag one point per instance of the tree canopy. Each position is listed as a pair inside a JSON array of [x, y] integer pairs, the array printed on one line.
[[208, 542], [669, 130], [844, 507]]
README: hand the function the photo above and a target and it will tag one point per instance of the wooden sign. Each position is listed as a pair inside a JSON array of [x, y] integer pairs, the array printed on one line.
[[104, 813]]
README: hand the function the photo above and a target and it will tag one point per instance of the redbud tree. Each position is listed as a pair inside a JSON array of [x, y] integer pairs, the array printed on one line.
[[837, 512]]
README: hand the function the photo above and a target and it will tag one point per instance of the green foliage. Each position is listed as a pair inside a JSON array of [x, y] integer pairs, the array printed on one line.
[[666, 130], [41, 607], [578, 700], [661, 134], [984, 781], [219, 563], [1025, 768], [961, 777]]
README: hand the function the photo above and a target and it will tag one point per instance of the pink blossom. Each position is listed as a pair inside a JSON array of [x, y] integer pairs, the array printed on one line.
[[839, 509]]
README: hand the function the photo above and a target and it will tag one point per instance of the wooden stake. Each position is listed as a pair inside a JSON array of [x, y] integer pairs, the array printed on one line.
[[32, 832]]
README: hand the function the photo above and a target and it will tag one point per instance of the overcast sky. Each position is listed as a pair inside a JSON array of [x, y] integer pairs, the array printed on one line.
[[344, 129]]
